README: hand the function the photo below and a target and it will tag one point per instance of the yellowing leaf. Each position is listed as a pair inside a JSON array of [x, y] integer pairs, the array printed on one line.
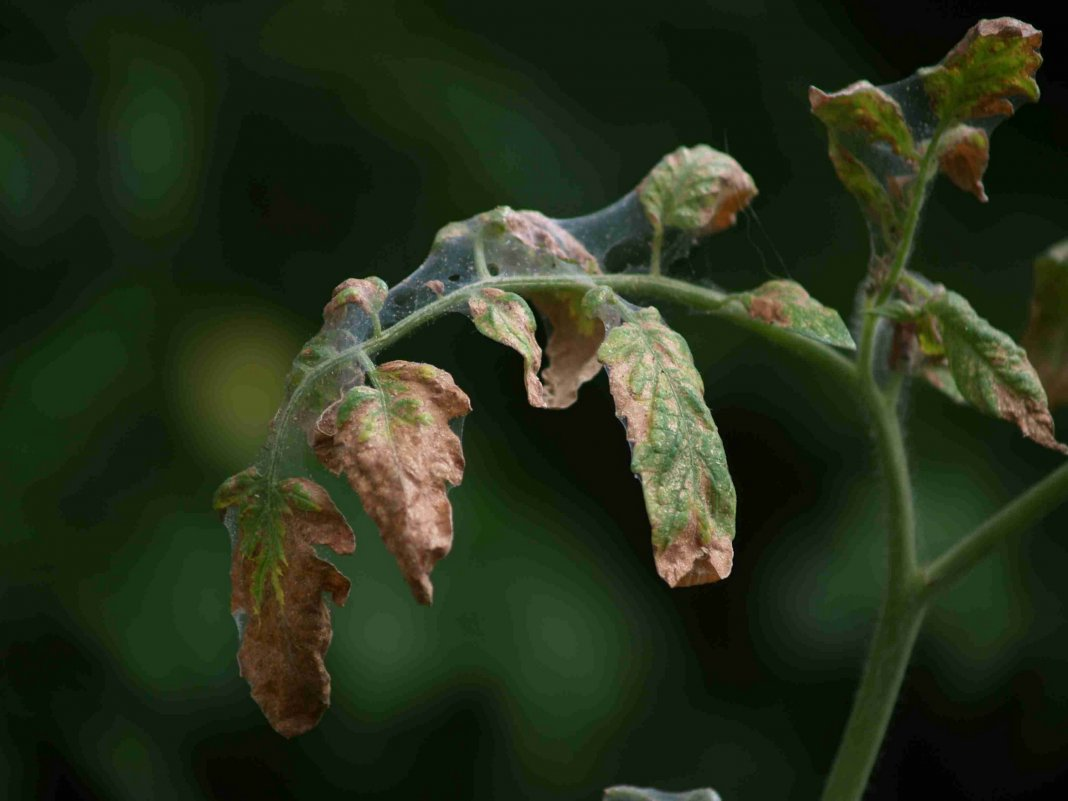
[[505, 317], [284, 633], [677, 452], [393, 442]]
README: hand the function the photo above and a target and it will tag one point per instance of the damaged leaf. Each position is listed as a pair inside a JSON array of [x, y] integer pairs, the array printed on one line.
[[963, 155], [367, 294], [1046, 339], [992, 66], [697, 190], [284, 635], [539, 234], [880, 137], [393, 442], [571, 348], [786, 304], [676, 450], [505, 317], [990, 370]]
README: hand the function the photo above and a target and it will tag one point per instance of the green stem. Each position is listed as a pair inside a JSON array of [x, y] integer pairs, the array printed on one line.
[[895, 634], [1020, 513], [658, 246]]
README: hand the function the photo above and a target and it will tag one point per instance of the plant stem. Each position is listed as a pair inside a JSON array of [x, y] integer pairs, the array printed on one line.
[[1020, 513], [895, 634]]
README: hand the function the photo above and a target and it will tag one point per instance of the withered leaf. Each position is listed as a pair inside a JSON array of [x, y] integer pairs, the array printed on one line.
[[505, 317], [285, 633], [990, 370], [393, 442], [571, 349], [676, 450], [963, 156], [1046, 339], [696, 189], [786, 304]]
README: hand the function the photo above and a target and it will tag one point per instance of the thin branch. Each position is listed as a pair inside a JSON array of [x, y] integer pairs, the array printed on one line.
[[1019, 514]]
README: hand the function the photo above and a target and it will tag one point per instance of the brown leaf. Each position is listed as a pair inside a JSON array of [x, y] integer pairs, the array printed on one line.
[[571, 347], [1046, 339], [282, 645], [963, 156], [394, 444]]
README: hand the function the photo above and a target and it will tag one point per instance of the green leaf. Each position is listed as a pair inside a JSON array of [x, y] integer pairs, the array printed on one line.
[[506, 318], [990, 370], [677, 452], [992, 66], [1046, 339], [865, 113], [786, 304], [624, 793], [698, 190], [394, 443]]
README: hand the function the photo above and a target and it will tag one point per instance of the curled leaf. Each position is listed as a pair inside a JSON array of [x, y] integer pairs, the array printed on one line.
[[992, 66], [963, 155], [880, 136], [786, 304], [571, 348], [505, 317], [367, 293], [284, 635], [990, 370], [676, 450], [1046, 339], [393, 442], [698, 190]]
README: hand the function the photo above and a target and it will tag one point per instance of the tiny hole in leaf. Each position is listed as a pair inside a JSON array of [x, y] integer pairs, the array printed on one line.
[[494, 269], [454, 277]]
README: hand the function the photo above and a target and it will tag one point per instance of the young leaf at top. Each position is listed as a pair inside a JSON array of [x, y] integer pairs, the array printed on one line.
[[1046, 339], [284, 633], [786, 304], [989, 370], [368, 294], [676, 450], [505, 317], [881, 139], [393, 442]]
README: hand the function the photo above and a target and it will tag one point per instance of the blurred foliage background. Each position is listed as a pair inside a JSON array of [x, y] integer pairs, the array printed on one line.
[[181, 185]]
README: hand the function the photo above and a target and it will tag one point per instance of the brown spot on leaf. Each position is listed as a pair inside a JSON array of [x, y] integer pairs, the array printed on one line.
[[571, 347], [768, 310], [282, 645], [394, 444], [538, 232], [688, 562], [367, 293], [435, 286], [505, 317], [963, 157]]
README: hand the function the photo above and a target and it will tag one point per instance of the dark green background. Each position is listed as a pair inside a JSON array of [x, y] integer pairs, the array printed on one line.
[[181, 187]]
